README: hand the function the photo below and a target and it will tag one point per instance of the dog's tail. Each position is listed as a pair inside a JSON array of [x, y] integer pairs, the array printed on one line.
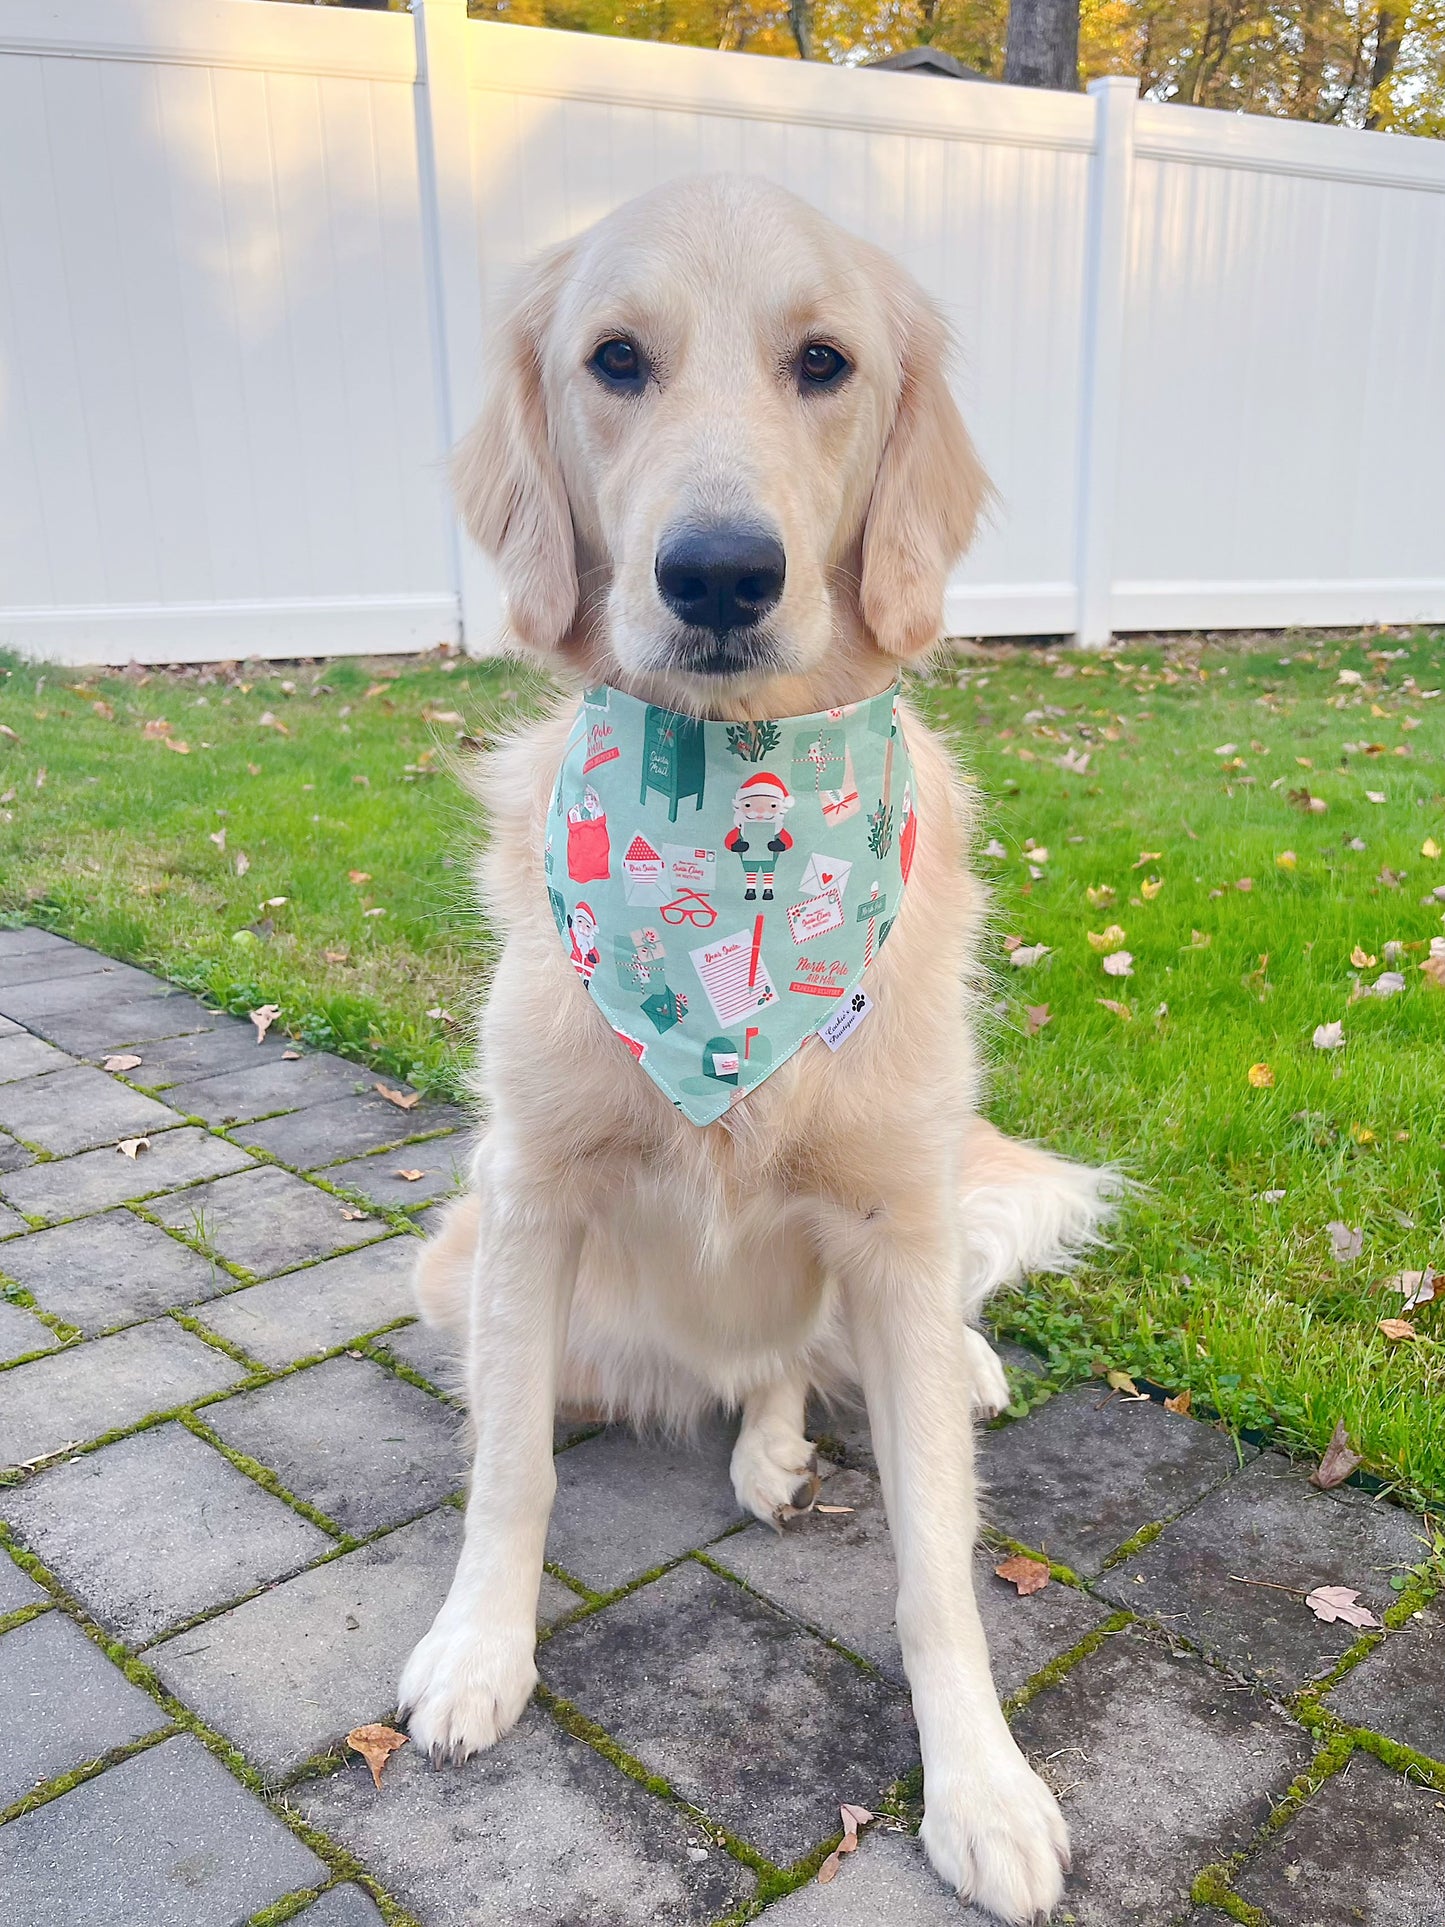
[[441, 1278], [1023, 1209]]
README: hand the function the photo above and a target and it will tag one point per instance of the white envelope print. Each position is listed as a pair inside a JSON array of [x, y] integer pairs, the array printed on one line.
[[824, 873]]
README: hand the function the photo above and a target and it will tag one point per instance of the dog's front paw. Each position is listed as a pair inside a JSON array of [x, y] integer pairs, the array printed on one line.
[[464, 1687], [988, 1390], [774, 1470], [995, 1834]]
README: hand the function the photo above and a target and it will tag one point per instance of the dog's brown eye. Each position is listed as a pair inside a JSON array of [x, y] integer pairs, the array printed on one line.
[[619, 364], [821, 366]]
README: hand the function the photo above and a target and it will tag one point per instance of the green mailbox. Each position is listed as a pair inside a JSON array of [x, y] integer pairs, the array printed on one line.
[[672, 758]]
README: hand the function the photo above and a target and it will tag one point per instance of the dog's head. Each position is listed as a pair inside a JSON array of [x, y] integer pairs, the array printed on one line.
[[720, 446]]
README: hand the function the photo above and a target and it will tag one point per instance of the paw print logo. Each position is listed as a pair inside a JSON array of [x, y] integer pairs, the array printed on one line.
[[859, 1001]]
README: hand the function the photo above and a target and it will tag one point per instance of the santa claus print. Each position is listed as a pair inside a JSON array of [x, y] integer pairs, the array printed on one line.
[[757, 837], [582, 928]]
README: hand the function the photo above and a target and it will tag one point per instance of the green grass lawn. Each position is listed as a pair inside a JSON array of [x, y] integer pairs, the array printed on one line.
[[311, 848]]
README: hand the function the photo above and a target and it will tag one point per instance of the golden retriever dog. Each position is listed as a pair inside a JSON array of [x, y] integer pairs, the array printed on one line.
[[716, 359]]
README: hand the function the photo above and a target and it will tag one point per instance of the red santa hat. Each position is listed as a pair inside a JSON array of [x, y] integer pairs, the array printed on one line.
[[765, 787]]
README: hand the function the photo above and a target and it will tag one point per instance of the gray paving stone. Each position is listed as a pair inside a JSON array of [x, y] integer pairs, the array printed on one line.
[[886, 1883], [836, 1573], [156, 1528], [8, 1027], [751, 1719], [1268, 1524], [350, 1438], [238, 1096], [229, 1044], [111, 1270], [540, 1831], [1369, 1847], [288, 1673], [13, 1156], [1161, 1765], [265, 1220], [17, 1588], [134, 1024], [73, 1110], [305, 1312], [22, 1055], [49, 966], [86, 1390], [166, 1838], [343, 1127], [95, 1180], [21, 1332], [64, 1704], [92, 991], [1078, 1477], [624, 1504], [435, 1354], [12, 1225], [442, 1161], [347, 1906], [29, 936], [1399, 1689]]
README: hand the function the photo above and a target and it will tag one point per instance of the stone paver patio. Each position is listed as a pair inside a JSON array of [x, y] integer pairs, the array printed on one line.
[[230, 1502]]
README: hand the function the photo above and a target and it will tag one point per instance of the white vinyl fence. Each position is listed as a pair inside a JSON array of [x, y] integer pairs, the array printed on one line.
[[248, 252]]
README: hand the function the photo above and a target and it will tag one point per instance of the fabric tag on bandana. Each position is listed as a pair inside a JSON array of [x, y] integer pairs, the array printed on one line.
[[721, 887], [842, 1024]]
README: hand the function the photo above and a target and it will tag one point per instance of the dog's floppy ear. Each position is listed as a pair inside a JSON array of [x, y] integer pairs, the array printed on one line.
[[928, 493], [508, 482]]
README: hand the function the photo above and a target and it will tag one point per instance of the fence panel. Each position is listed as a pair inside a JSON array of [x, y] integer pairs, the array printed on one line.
[[249, 254], [218, 419]]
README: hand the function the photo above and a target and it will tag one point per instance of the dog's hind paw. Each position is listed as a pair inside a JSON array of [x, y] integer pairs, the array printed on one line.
[[987, 1381], [774, 1472], [462, 1689], [996, 1835]]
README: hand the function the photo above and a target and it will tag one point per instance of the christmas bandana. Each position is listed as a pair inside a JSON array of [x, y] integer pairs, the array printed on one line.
[[722, 887]]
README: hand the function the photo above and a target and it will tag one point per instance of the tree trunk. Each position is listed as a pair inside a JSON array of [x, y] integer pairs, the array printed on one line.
[[1388, 36], [800, 19], [1043, 44]]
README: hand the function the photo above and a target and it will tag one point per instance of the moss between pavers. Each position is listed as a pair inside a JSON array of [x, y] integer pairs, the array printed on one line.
[[269, 1481], [1212, 1885], [180, 1719]]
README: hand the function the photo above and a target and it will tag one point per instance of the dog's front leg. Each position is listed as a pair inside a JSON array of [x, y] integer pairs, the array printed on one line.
[[991, 1828], [469, 1679]]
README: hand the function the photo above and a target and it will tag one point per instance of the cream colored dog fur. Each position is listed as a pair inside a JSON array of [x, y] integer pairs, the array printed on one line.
[[840, 1226]]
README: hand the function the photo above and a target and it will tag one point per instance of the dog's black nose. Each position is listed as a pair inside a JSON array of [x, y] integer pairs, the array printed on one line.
[[721, 578]]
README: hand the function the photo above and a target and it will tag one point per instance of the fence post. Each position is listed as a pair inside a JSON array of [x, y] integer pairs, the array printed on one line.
[[449, 227], [1105, 290]]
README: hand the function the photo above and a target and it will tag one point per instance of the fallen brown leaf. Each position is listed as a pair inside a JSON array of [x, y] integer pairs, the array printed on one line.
[[131, 1147], [1121, 1011], [1331, 1603], [1397, 1328], [263, 1017], [1121, 1382], [412, 1177], [352, 1215], [1339, 1461], [1180, 1402], [1025, 1575], [403, 1100], [358, 876], [1261, 1076], [853, 1818], [1035, 1017], [375, 1743], [290, 1056], [122, 1061]]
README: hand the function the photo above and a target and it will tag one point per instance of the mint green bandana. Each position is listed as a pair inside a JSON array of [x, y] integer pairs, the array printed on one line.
[[722, 887]]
